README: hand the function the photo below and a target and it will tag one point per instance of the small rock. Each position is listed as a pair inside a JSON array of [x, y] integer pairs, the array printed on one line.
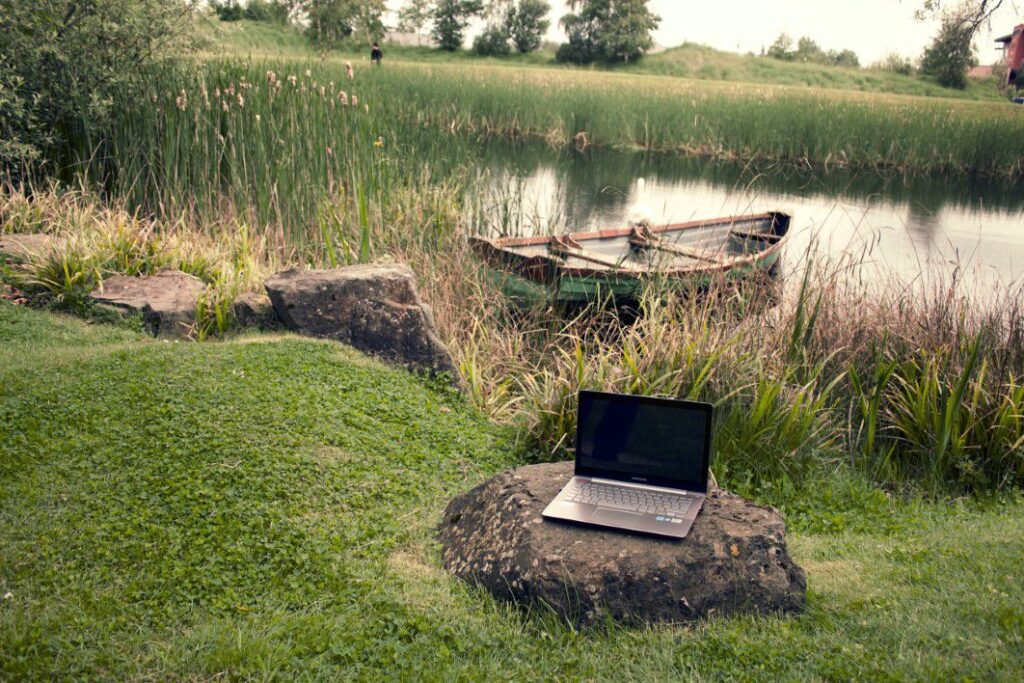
[[583, 572], [166, 301], [373, 308], [251, 309]]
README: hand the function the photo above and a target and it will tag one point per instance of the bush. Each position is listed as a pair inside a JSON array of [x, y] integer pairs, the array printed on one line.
[[951, 54], [894, 63], [64, 63], [492, 42]]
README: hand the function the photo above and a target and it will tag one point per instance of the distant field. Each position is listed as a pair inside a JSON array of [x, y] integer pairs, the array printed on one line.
[[691, 61]]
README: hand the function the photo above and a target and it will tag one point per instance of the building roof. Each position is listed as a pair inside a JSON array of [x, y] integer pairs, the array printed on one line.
[[1008, 38], [980, 72]]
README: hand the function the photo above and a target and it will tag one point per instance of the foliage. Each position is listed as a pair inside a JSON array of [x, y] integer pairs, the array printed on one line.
[[492, 41], [66, 65], [527, 22], [897, 64], [952, 53], [331, 21], [414, 15], [808, 51], [451, 17], [276, 11], [608, 31], [782, 48]]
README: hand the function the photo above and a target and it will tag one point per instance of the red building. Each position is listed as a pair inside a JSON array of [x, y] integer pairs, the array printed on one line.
[[1013, 52]]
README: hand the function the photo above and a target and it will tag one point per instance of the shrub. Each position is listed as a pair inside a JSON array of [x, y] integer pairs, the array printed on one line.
[[64, 63], [894, 63], [493, 41]]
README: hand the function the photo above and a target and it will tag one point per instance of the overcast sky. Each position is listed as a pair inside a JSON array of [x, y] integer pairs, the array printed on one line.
[[871, 28]]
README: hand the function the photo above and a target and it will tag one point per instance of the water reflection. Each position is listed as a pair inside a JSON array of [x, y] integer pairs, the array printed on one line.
[[917, 227]]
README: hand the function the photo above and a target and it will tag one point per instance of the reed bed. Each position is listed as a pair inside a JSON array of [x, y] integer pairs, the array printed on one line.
[[276, 140]]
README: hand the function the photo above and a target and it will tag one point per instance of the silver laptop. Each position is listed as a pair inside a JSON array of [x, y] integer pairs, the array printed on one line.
[[641, 464]]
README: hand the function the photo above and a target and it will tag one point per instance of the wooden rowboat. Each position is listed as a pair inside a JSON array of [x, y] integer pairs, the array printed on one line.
[[580, 266]]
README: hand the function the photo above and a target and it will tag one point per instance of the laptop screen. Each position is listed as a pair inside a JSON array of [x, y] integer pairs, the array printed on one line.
[[657, 441]]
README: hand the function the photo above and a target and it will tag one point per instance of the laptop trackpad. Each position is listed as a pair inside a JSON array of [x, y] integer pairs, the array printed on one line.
[[616, 517]]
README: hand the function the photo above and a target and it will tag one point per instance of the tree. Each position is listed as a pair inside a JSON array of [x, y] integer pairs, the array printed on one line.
[[782, 48], [413, 16], [63, 62], [808, 51], [451, 17], [331, 21], [526, 24], [952, 52], [607, 31], [847, 58]]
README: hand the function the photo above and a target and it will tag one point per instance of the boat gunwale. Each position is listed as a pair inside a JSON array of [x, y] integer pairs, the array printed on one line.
[[498, 248]]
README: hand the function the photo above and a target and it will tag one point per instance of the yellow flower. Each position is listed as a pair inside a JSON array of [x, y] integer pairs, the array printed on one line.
[[379, 142], [734, 550]]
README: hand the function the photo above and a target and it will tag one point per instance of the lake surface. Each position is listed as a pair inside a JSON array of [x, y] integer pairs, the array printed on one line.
[[922, 229]]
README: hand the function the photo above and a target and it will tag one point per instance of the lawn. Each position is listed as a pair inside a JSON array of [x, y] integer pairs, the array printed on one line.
[[264, 506]]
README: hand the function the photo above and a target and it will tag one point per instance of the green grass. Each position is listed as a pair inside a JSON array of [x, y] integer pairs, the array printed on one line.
[[249, 39], [263, 508]]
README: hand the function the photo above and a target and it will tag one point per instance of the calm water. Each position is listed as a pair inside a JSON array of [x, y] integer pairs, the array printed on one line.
[[919, 228]]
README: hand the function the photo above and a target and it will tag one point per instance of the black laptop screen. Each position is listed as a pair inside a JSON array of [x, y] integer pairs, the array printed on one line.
[[632, 438]]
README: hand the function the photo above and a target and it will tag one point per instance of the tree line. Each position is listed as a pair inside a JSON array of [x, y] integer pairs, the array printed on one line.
[[597, 30]]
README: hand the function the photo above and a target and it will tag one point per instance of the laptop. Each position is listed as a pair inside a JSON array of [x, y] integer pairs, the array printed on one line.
[[641, 464]]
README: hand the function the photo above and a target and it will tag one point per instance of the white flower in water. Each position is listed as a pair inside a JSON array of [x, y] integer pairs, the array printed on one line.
[[308, 73]]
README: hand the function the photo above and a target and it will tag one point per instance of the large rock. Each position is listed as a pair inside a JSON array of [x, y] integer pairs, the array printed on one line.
[[733, 560], [25, 247], [374, 308], [166, 301]]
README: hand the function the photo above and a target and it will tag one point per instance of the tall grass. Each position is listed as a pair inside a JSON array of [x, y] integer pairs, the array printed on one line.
[[277, 141]]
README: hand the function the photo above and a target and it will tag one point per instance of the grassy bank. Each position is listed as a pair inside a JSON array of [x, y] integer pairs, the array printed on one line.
[[246, 39], [248, 509]]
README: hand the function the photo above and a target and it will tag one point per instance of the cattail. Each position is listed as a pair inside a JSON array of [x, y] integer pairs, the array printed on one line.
[[366, 108], [181, 101], [224, 105], [349, 71], [343, 98], [355, 101], [241, 101], [271, 77]]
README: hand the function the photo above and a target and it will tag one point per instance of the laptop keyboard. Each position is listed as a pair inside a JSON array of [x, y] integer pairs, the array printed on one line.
[[627, 498]]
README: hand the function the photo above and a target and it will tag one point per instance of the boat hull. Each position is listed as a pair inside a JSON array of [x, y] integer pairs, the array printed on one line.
[[539, 279]]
